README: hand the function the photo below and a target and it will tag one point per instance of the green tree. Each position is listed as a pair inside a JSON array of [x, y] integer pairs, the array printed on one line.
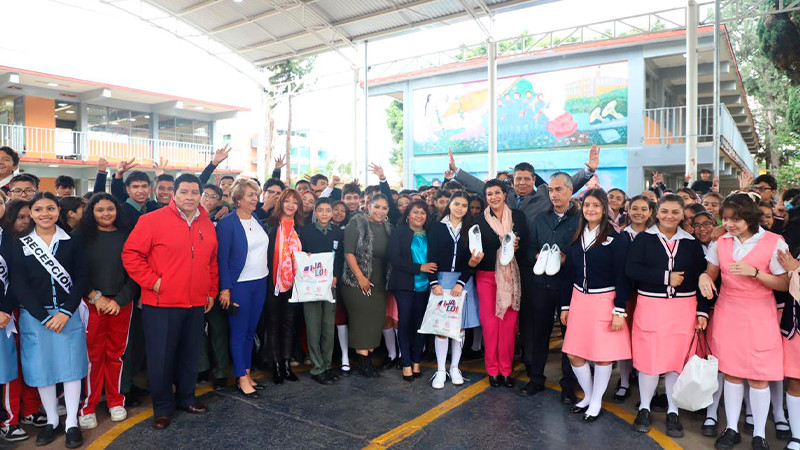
[[779, 35], [285, 82], [394, 120]]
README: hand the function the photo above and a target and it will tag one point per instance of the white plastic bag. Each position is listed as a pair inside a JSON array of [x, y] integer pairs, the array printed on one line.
[[443, 315], [313, 277], [697, 384]]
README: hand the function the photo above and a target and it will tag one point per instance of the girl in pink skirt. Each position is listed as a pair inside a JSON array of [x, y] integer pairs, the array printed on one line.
[[746, 339], [665, 261], [594, 293], [790, 323]]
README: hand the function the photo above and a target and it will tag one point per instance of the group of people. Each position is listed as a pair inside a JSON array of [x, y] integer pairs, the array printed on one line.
[[197, 278]]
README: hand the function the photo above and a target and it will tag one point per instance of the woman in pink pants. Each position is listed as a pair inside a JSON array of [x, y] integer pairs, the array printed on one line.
[[498, 284]]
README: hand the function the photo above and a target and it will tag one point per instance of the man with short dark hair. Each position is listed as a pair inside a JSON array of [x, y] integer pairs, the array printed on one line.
[[302, 186], [211, 200], [165, 189], [65, 186], [766, 186], [703, 185], [172, 255], [272, 190], [9, 161], [321, 187], [225, 184], [351, 196], [23, 186]]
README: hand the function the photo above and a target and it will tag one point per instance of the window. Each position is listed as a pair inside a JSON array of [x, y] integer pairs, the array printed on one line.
[[117, 121], [184, 130]]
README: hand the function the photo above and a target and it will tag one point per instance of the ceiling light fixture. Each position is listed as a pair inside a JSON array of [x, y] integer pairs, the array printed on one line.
[[69, 111], [199, 108], [52, 84]]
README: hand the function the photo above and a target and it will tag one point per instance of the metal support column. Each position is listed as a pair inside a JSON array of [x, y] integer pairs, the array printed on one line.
[[366, 114], [715, 149], [691, 89], [354, 166], [492, 50]]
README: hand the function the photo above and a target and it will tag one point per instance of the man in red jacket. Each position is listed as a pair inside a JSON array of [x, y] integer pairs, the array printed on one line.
[[172, 254]]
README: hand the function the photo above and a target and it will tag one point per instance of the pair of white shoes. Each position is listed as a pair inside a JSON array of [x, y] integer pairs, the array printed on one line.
[[549, 260], [506, 244], [437, 382], [89, 421]]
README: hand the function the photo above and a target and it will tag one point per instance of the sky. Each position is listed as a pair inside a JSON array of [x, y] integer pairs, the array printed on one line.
[[91, 40]]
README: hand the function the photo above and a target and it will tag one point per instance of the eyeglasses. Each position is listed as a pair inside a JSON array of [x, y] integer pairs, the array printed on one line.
[[211, 196], [707, 225], [17, 191], [761, 188]]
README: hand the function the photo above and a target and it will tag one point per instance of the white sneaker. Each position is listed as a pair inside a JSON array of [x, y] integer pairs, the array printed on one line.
[[438, 379], [88, 421], [455, 376], [507, 248], [553, 261], [118, 413], [541, 262], [475, 244]]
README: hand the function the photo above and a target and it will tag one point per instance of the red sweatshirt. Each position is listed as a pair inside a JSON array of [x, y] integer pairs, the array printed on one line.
[[163, 245]]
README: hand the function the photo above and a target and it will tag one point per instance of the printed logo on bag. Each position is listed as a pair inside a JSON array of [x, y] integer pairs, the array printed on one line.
[[448, 305], [316, 277]]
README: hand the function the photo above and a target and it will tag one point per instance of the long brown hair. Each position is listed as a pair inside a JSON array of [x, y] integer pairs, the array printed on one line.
[[605, 226], [277, 212]]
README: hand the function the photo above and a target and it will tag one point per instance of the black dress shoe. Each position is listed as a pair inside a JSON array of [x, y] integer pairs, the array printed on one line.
[[389, 363], [674, 427], [642, 422], [131, 401], [277, 373], [494, 381], [259, 387], [332, 374], [709, 430], [417, 374], [322, 378], [589, 419], [253, 394], [48, 435], [287, 371], [507, 381], [531, 389], [759, 443], [160, 422], [568, 397], [578, 409], [74, 438], [621, 398], [728, 440], [408, 378], [783, 435], [197, 408]]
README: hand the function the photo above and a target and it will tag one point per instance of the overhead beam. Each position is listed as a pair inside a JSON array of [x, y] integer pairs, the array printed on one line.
[[704, 69], [197, 7], [257, 17], [707, 89], [95, 94]]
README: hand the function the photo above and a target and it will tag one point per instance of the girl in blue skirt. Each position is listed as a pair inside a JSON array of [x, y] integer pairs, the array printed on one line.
[[49, 279]]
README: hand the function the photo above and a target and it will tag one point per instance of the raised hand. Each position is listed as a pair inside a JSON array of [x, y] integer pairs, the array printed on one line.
[[102, 165], [377, 170], [594, 158], [451, 160], [221, 155], [688, 177], [745, 181], [449, 174], [280, 162], [125, 166], [335, 180], [160, 166]]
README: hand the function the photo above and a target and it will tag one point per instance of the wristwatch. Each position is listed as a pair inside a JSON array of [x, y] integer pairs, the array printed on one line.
[[94, 299]]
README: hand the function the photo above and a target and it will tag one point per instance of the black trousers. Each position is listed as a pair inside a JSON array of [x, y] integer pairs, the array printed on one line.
[[538, 307], [411, 307], [172, 342], [281, 324]]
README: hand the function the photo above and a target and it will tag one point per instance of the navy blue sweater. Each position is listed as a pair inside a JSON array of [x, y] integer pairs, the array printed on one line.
[[601, 266], [442, 248]]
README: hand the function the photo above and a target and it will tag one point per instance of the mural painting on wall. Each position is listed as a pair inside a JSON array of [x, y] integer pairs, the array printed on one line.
[[566, 108]]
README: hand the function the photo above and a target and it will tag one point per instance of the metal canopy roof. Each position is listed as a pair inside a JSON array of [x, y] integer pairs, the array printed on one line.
[[266, 32]]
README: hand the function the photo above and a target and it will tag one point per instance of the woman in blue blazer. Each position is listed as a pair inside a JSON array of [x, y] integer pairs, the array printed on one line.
[[243, 269]]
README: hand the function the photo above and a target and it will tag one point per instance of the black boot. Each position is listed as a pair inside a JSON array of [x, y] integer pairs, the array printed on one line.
[[277, 373], [287, 371], [363, 366]]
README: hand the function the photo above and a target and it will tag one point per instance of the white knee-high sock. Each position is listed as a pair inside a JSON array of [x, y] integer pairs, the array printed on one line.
[[440, 345], [477, 339], [50, 403], [391, 342], [601, 376], [669, 382], [72, 399], [584, 376], [455, 351], [734, 393], [711, 411], [759, 401], [341, 330], [647, 388], [625, 369], [793, 405], [776, 398]]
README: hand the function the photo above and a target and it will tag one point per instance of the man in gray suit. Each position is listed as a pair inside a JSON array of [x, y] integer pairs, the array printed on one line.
[[533, 201]]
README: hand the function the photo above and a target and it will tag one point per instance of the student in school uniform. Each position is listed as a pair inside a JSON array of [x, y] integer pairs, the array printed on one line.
[[665, 261], [322, 236], [791, 343], [746, 338], [594, 290], [448, 248], [49, 277]]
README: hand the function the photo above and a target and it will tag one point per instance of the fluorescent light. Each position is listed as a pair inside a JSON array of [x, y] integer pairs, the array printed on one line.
[[62, 104], [53, 165], [199, 108], [69, 111], [133, 119], [238, 1], [146, 117], [52, 84]]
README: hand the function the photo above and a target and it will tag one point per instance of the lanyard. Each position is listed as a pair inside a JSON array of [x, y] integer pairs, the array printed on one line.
[[671, 253]]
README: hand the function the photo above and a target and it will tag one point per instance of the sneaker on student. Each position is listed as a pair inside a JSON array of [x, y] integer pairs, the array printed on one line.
[[507, 248], [456, 377], [438, 379], [37, 419], [475, 244], [553, 261], [541, 262], [118, 413], [14, 433], [88, 421]]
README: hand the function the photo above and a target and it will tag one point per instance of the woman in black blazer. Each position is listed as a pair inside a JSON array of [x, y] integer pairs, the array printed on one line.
[[408, 254]]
